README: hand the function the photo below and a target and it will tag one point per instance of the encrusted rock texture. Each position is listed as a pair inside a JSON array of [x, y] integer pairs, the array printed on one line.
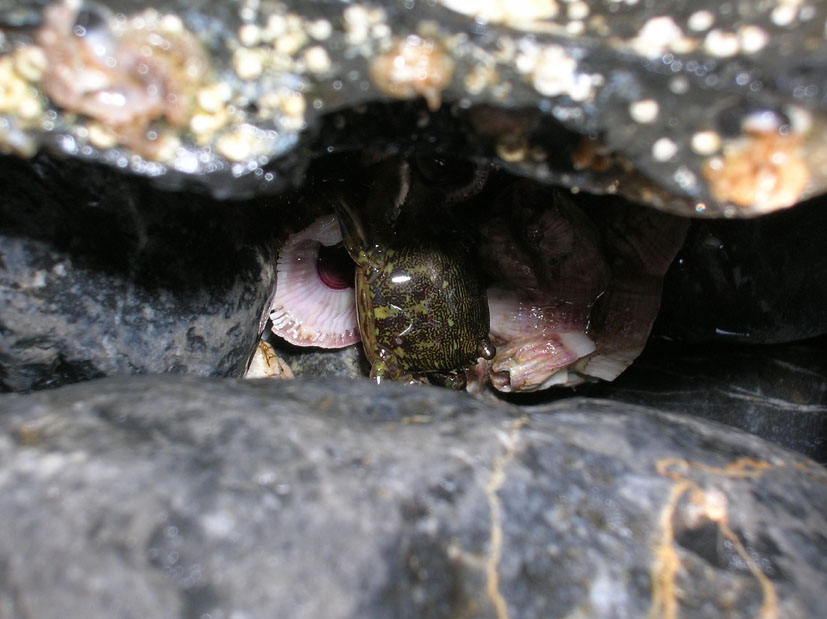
[[193, 497], [691, 106]]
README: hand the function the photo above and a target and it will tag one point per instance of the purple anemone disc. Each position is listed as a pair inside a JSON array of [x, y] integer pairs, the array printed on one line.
[[334, 267], [314, 303]]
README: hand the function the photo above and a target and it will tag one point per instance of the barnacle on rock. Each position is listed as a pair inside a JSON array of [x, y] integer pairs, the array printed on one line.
[[20, 102], [413, 67], [761, 172], [314, 303], [266, 363], [124, 73]]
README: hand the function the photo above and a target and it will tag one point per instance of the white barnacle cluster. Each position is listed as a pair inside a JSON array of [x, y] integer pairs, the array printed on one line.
[[786, 12], [747, 39], [662, 34], [554, 72], [279, 44], [21, 107], [412, 67], [401, 66], [213, 112], [275, 54], [515, 13], [366, 28], [280, 51], [549, 68], [245, 142]]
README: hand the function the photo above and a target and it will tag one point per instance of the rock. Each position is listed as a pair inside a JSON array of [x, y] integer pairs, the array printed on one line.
[[338, 499], [102, 274], [346, 362], [777, 392], [762, 281], [696, 108]]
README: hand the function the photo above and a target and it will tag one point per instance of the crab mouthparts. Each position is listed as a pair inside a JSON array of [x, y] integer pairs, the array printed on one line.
[[334, 267]]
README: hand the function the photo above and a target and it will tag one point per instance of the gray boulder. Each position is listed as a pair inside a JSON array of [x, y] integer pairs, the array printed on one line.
[[192, 497], [102, 274], [777, 392]]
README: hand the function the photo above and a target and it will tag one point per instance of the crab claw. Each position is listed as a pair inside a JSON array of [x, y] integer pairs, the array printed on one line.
[[314, 302]]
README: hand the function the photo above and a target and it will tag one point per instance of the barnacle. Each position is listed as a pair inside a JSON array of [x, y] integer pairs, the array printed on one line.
[[122, 73], [413, 67], [762, 170], [313, 303]]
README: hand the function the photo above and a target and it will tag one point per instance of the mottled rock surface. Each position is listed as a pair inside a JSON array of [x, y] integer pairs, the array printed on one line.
[[187, 497], [102, 274]]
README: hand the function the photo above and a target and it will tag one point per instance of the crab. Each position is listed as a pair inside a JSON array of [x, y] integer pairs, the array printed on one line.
[[422, 306]]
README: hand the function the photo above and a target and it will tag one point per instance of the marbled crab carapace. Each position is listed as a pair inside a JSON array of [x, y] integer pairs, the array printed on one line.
[[477, 280], [421, 304]]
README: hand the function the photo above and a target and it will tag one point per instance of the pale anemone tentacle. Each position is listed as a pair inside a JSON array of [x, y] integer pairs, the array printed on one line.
[[304, 311]]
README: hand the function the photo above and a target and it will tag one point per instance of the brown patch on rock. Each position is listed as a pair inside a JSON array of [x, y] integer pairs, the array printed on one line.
[[759, 172]]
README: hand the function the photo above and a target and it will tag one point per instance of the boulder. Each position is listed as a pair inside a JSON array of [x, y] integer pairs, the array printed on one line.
[[192, 497], [694, 107], [102, 273], [778, 392], [762, 281]]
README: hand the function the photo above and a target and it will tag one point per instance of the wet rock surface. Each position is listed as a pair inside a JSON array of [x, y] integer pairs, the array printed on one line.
[[180, 497], [777, 392], [694, 107], [762, 281], [102, 274]]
